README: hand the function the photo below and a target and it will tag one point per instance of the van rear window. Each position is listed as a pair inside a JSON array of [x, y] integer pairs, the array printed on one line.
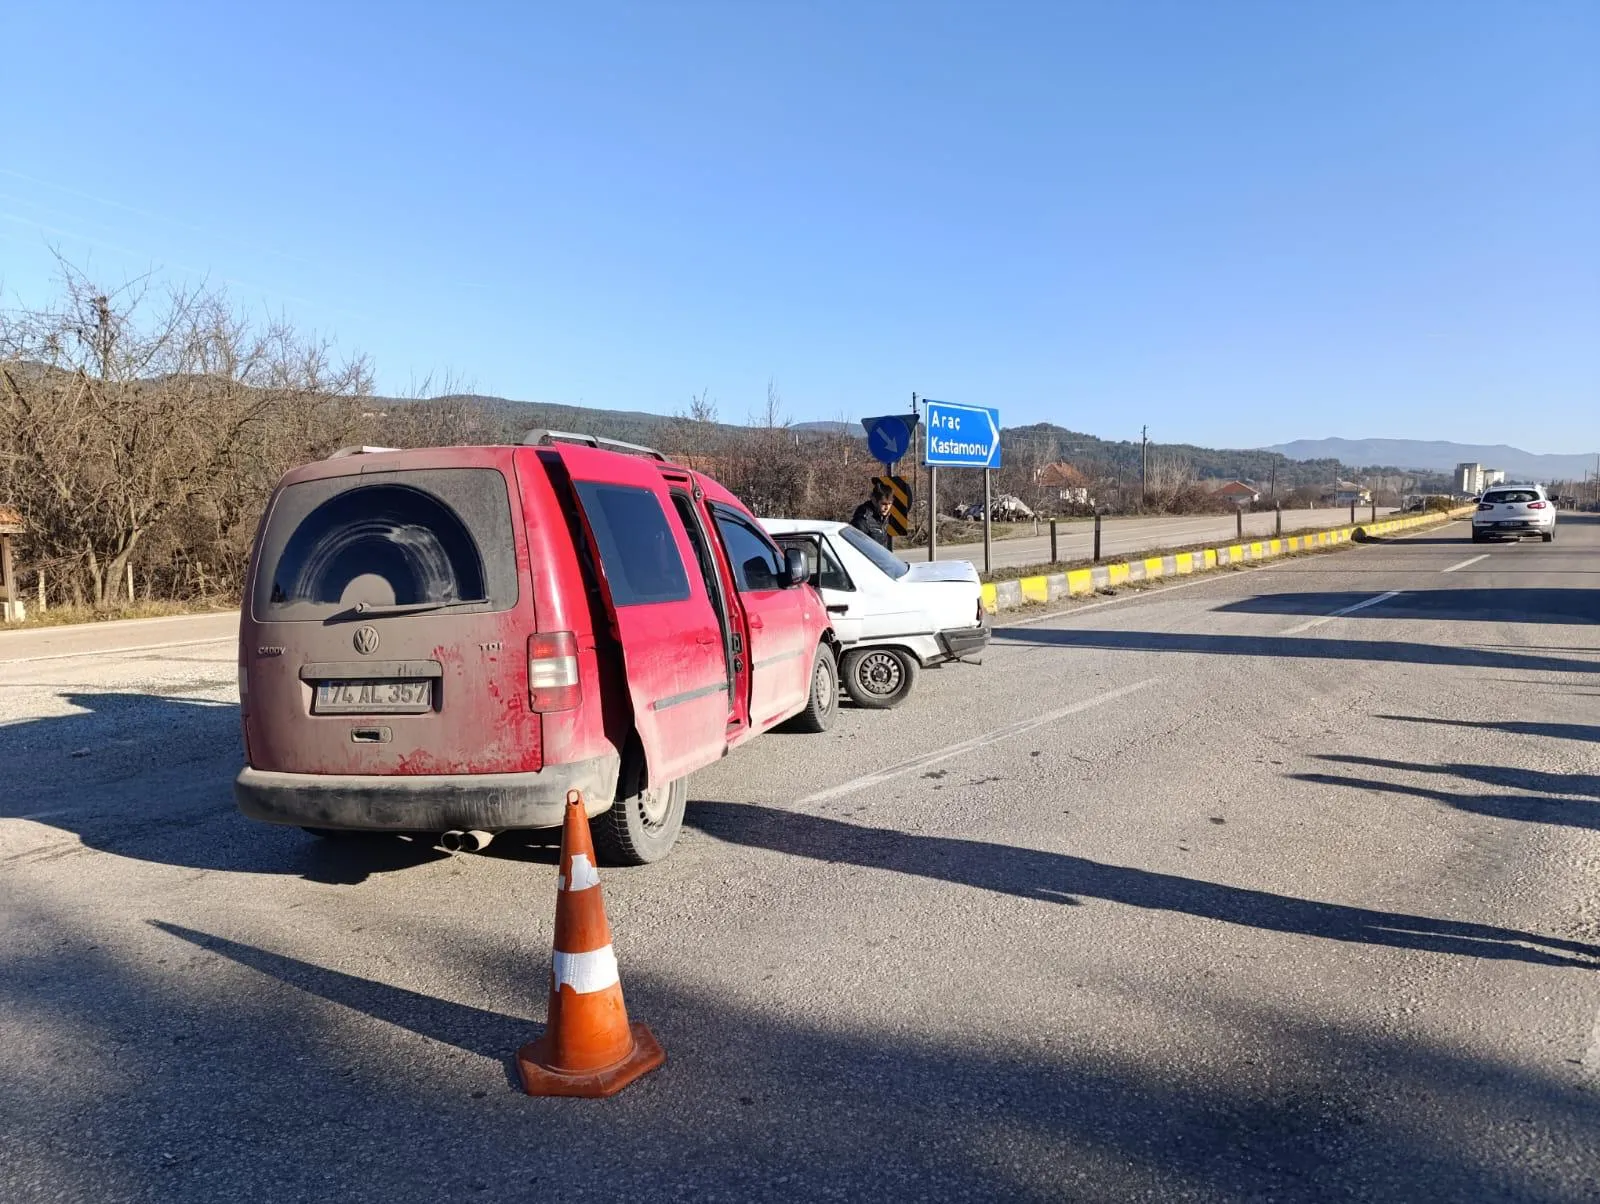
[[423, 538]]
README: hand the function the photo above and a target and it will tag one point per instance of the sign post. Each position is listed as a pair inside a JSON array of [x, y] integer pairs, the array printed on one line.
[[988, 512], [961, 436]]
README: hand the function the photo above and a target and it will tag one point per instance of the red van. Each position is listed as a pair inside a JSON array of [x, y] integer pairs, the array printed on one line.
[[450, 639]]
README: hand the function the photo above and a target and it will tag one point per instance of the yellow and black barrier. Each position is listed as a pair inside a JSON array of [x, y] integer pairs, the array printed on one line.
[[1022, 591]]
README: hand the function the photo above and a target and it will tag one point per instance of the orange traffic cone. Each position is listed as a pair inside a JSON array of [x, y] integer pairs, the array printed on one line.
[[588, 1047]]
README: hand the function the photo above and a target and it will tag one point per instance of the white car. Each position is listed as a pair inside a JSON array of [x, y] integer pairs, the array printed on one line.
[[892, 618], [1514, 510]]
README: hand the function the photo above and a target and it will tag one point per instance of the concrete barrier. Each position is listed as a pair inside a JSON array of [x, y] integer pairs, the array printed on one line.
[[1049, 587]]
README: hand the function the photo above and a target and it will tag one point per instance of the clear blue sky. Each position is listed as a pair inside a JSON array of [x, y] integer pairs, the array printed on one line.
[[1240, 223]]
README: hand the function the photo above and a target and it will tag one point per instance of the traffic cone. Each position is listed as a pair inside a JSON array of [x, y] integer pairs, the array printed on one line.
[[588, 1047]]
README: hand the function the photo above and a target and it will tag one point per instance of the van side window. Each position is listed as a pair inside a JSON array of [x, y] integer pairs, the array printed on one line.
[[756, 564], [638, 554]]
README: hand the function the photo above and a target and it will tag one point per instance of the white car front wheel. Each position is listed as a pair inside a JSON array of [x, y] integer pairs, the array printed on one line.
[[878, 677]]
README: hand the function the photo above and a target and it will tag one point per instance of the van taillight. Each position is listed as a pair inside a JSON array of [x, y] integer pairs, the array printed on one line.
[[1535, 505], [553, 671], [1485, 505]]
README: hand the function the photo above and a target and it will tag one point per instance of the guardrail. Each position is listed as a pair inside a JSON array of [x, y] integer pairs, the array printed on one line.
[[1050, 587]]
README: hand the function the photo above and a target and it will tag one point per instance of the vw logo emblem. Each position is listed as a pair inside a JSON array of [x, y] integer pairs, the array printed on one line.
[[366, 640]]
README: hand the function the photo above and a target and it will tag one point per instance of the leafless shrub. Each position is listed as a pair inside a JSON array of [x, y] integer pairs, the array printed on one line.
[[136, 411]]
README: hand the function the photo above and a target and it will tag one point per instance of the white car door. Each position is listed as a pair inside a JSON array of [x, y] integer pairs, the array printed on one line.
[[887, 606]]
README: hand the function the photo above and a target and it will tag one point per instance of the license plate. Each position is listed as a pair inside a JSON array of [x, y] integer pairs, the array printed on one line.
[[374, 697]]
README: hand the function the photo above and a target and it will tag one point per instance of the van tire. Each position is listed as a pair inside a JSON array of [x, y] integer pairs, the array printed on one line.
[[1548, 536], [822, 701], [642, 825], [878, 678]]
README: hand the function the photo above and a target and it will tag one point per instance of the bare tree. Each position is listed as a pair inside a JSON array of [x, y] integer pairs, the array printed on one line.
[[132, 408], [446, 414]]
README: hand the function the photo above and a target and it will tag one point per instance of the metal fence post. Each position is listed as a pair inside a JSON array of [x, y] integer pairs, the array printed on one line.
[[1097, 536], [1374, 511], [1277, 509], [988, 512], [1238, 523], [1053, 553], [1352, 514]]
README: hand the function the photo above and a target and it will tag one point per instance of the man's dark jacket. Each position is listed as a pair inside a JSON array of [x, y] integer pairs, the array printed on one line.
[[866, 520]]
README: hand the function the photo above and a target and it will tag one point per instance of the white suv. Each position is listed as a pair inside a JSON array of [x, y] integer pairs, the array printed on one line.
[[1514, 510]]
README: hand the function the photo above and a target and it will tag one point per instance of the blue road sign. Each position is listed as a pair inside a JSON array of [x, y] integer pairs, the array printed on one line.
[[962, 436], [889, 437]]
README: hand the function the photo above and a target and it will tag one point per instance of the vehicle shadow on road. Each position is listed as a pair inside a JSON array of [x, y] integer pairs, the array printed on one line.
[[1585, 785], [1293, 647], [758, 1100], [150, 776], [1526, 808], [1066, 879], [1515, 727]]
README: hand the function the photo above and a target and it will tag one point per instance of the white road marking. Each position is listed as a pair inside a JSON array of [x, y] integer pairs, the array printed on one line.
[[976, 742], [1465, 563], [1348, 610], [72, 656]]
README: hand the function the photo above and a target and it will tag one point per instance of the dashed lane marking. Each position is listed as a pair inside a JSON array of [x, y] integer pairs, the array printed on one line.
[[1348, 610], [976, 742]]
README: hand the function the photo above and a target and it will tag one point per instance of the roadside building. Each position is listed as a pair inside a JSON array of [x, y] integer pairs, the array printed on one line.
[[1469, 479], [1240, 493], [1064, 484]]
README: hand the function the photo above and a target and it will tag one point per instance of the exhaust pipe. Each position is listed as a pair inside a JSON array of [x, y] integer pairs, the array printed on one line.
[[457, 841]]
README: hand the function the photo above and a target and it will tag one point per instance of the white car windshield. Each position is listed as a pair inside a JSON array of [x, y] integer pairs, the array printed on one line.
[[875, 552]]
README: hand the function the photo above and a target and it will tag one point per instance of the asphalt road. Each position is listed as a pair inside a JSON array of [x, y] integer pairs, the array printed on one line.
[[1125, 536], [1209, 892]]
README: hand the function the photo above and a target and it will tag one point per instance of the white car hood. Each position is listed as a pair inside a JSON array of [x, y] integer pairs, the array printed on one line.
[[942, 570]]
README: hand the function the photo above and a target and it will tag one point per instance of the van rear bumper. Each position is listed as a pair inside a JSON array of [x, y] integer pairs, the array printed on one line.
[[488, 802]]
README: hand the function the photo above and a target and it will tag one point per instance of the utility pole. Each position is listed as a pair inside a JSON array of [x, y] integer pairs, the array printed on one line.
[[1144, 465]]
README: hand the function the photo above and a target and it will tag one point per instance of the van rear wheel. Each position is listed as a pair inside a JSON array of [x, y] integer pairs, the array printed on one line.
[[643, 824]]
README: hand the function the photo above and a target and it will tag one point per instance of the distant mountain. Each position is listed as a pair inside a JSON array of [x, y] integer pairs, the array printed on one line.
[[832, 428], [1441, 456]]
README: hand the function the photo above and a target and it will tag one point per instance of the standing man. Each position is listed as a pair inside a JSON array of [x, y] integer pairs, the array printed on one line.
[[870, 515]]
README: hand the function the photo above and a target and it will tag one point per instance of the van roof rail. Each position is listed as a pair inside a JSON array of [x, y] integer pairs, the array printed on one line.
[[362, 450], [538, 438]]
